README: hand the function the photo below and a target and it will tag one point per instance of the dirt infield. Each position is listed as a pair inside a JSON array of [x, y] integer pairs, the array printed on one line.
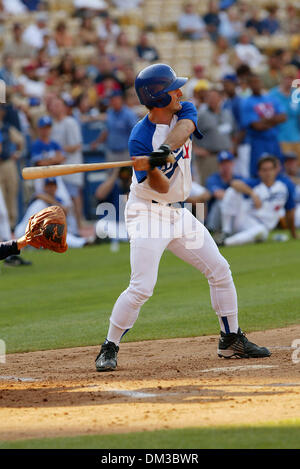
[[160, 384]]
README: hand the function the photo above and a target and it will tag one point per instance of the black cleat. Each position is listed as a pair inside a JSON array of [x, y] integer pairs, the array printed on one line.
[[220, 238], [16, 261], [238, 346], [107, 358]]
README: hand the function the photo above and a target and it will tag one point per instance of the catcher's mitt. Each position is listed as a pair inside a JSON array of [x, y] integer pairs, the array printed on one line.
[[48, 229]]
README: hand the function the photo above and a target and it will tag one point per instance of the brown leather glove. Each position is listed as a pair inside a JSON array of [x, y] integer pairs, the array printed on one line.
[[48, 229]]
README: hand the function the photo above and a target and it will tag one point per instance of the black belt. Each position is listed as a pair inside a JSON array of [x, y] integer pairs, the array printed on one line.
[[168, 205]]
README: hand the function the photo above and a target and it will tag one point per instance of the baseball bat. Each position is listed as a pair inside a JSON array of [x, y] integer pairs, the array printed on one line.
[[39, 172]]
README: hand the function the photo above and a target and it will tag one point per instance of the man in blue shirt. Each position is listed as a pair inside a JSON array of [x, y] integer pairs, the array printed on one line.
[[119, 124], [288, 131], [260, 116], [217, 184]]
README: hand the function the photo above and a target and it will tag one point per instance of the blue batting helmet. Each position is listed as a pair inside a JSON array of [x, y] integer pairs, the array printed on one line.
[[153, 83]]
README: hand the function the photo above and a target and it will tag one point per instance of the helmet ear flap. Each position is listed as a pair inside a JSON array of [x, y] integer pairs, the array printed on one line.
[[151, 100]]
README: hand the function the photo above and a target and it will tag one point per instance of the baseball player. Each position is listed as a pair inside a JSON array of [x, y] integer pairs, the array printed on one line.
[[156, 220], [269, 199]]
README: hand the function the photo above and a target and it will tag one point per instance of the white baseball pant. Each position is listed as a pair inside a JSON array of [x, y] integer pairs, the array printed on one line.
[[189, 240]]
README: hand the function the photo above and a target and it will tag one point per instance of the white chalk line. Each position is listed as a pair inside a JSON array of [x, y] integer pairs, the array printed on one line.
[[16, 378], [238, 368]]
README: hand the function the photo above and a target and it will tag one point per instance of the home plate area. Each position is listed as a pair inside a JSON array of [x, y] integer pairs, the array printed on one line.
[[162, 384]]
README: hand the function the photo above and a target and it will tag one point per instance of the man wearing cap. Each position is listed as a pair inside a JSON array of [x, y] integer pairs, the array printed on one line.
[[119, 124], [269, 198], [161, 148], [34, 33], [217, 184]]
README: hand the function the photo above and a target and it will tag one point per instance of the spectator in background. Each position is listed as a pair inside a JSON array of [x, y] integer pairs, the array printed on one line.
[[32, 87], [128, 5], [230, 25], [14, 7], [124, 51], [16, 47], [272, 76], [243, 72], [212, 20], [224, 57], [292, 170], [34, 33], [270, 25], [217, 126], [87, 34], [198, 74], [83, 111], [260, 115], [217, 184], [108, 29], [66, 68], [145, 50], [289, 130], [6, 72], [62, 37], [5, 231], [12, 146], [190, 25], [247, 53], [119, 123], [67, 133], [201, 90], [253, 24]]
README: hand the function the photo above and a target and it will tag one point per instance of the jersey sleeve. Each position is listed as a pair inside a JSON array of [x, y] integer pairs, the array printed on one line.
[[137, 148], [189, 111], [290, 203], [213, 183], [36, 153], [251, 182]]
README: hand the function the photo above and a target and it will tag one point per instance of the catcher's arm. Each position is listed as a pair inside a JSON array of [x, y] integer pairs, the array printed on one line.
[[11, 248]]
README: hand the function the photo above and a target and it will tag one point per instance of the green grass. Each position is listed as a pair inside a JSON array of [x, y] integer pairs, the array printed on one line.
[[283, 435], [66, 300]]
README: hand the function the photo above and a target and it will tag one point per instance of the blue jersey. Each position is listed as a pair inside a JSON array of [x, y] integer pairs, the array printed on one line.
[[41, 150], [147, 137]]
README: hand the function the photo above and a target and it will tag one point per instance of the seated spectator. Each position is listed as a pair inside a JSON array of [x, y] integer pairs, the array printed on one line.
[[190, 24], [108, 29], [14, 7], [224, 57], [6, 72], [200, 94], [67, 133], [67, 68], [16, 47], [260, 116], [270, 25], [231, 25], [128, 5], [216, 124], [243, 73], [145, 50], [288, 131], [198, 74], [272, 76], [34, 33], [212, 20], [62, 37], [32, 5], [247, 53], [246, 220], [32, 86], [93, 6], [47, 197], [292, 170], [87, 34], [253, 24], [119, 123], [124, 51], [83, 111], [216, 185]]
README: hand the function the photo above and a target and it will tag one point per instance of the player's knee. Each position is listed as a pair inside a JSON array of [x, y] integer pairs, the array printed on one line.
[[221, 274], [138, 296]]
